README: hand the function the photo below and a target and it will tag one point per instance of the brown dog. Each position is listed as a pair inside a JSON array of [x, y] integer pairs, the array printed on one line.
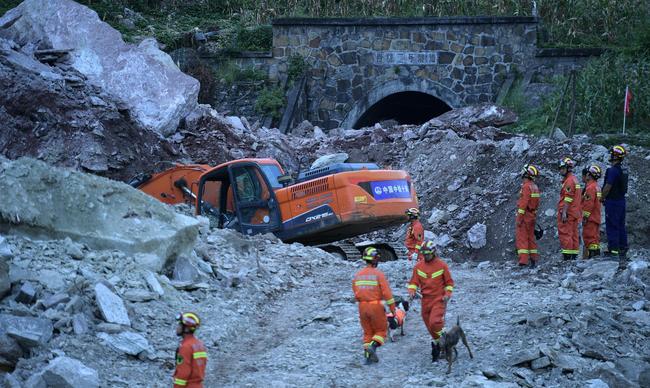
[[448, 343]]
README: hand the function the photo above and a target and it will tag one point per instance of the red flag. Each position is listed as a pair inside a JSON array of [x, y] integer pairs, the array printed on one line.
[[628, 100]]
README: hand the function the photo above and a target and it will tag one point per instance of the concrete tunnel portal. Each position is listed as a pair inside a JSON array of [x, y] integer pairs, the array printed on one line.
[[408, 107]]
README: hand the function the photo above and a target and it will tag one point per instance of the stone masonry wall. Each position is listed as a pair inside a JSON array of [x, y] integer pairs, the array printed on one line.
[[353, 63]]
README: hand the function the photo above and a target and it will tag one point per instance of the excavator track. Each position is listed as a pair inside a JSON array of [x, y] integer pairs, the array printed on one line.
[[348, 250]]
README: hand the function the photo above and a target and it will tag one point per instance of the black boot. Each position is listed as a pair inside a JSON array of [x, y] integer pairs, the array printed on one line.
[[622, 261], [371, 353], [566, 256], [435, 351], [594, 253], [532, 263], [573, 256]]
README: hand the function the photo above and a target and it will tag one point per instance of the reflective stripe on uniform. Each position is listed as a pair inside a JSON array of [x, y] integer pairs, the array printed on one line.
[[522, 251], [578, 186], [366, 283], [378, 338], [412, 287], [180, 381], [535, 195], [437, 273], [586, 213], [390, 301], [568, 199], [570, 251], [422, 273], [521, 211], [599, 194], [449, 288], [533, 251], [200, 355], [614, 252], [594, 246], [418, 246]]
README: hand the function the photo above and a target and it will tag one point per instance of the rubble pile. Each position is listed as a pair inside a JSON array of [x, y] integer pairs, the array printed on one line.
[[99, 315]]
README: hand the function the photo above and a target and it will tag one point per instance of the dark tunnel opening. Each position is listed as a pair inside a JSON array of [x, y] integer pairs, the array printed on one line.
[[403, 107]]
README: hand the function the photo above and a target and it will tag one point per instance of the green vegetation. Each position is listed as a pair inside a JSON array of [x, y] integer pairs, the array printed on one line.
[[296, 67], [270, 102]]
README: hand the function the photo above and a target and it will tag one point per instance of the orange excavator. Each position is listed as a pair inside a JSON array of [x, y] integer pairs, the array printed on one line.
[[323, 205]]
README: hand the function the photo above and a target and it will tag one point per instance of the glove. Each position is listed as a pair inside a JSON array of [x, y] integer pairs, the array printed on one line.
[[564, 216], [414, 256], [446, 299]]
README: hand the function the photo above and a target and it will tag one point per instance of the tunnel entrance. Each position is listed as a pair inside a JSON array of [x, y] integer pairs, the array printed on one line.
[[403, 107]]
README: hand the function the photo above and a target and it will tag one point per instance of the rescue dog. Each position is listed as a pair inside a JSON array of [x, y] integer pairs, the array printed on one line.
[[398, 320], [448, 343]]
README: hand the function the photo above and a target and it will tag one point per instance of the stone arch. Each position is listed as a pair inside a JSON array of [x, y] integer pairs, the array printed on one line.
[[386, 89]]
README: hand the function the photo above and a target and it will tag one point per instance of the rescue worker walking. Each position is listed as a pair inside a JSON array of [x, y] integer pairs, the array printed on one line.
[[569, 210], [191, 355], [614, 190], [529, 197], [433, 278], [414, 234], [370, 287], [591, 212]]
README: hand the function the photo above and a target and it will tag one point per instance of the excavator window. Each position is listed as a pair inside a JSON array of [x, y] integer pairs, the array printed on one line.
[[252, 195], [272, 173]]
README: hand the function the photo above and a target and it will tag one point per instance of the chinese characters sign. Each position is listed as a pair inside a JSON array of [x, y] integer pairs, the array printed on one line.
[[390, 189], [404, 58]]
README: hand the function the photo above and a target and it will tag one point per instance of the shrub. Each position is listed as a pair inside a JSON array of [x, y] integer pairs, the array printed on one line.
[[296, 67], [258, 38], [270, 102]]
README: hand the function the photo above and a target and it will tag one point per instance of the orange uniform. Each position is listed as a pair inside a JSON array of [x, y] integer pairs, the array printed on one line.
[[527, 205], [370, 288], [435, 282], [191, 359], [568, 231], [414, 238], [591, 214]]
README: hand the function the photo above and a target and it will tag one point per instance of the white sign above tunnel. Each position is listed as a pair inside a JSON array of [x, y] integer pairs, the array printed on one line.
[[405, 58]]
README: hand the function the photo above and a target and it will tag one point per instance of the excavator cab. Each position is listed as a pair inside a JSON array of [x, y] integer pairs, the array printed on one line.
[[239, 196]]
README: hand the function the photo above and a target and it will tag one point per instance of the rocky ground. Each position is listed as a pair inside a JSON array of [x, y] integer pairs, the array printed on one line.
[[92, 272]]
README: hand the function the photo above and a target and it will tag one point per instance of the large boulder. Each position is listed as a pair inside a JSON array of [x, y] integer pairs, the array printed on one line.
[[66, 372], [146, 79], [27, 331], [57, 203]]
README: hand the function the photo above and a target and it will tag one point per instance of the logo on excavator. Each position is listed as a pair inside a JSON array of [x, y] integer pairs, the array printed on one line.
[[319, 216]]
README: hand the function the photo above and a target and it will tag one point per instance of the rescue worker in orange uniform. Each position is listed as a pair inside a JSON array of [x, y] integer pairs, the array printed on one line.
[[414, 234], [591, 212], [191, 355], [529, 197], [370, 289], [433, 278], [569, 210]]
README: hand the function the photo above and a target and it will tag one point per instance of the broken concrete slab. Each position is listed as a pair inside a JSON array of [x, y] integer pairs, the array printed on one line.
[[55, 299], [5, 281], [73, 249], [540, 363], [139, 296], [79, 324], [26, 293], [153, 283], [127, 342], [524, 357], [538, 320], [111, 306], [36, 381], [66, 372], [10, 350], [27, 331], [99, 212], [327, 160]]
